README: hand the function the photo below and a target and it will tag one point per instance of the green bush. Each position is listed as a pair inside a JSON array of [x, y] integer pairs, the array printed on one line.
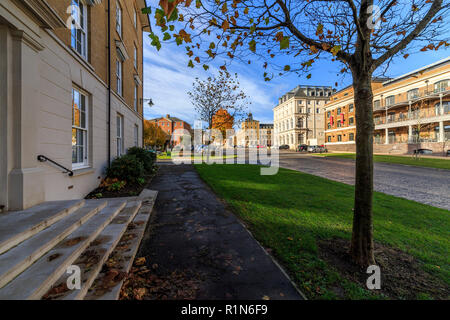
[[127, 167], [146, 157]]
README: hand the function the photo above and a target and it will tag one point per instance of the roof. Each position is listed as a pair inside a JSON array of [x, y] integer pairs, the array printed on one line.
[[430, 66]]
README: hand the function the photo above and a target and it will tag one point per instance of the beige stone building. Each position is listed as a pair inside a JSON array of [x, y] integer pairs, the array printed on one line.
[[70, 90], [248, 135], [298, 117]]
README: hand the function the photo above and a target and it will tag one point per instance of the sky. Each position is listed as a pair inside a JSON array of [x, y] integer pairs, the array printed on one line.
[[167, 79]]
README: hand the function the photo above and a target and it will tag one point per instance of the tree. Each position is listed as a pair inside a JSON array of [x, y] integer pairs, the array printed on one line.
[[362, 35], [222, 121], [218, 94], [154, 136]]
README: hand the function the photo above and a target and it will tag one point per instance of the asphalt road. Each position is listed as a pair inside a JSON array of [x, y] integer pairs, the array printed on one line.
[[425, 185]]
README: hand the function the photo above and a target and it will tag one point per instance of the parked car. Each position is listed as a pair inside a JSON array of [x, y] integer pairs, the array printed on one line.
[[302, 147], [283, 147], [317, 149], [423, 151], [260, 146], [448, 153]]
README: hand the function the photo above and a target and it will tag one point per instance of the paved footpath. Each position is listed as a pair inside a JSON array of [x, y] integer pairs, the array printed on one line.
[[193, 234]]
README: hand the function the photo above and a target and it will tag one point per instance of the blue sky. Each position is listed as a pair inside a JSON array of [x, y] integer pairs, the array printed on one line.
[[167, 78]]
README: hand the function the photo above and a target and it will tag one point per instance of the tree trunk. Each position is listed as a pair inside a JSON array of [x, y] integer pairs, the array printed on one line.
[[361, 248]]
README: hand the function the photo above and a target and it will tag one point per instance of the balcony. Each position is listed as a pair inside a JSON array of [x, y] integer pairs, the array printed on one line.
[[413, 116]]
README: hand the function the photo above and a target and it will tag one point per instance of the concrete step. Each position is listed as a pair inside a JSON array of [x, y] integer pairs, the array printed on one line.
[[93, 257], [35, 281], [17, 226], [106, 287], [17, 259]]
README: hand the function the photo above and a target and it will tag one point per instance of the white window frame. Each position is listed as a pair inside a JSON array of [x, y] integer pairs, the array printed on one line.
[[135, 57], [120, 135], [79, 27], [136, 135], [135, 18], [119, 77], [136, 98], [85, 129], [119, 19]]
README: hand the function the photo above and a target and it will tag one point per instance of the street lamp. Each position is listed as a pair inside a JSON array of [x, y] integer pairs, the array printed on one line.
[[150, 102]]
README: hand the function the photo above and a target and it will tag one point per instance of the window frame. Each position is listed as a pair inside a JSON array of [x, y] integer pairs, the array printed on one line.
[[119, 77], [120, 145], [119, 19], [389, 98], [85, 129], [440, 83], [410, 95], [84, 29], [136, 135]]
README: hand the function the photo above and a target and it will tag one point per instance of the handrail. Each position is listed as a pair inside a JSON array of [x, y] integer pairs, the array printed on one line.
[[42, 158]]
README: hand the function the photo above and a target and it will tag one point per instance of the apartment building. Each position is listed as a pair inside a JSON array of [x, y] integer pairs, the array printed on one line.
[[298, 117], [248, 135], [265, 134], [410, 112], [70, 91], [173, 126]]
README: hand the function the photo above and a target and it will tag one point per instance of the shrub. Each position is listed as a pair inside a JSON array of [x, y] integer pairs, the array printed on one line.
[[127, 167], [146, 157]]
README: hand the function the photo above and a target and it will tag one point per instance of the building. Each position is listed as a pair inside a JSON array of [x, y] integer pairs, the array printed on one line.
[[71, 91], [298, 117], [248, 135], [410, 112], [170, 125], [265, 134]]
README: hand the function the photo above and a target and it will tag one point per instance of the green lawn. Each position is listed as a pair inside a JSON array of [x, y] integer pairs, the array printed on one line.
[[409, 160], [289, 212]]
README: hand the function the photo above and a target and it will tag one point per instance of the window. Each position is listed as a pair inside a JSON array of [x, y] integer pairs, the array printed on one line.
[[328, 114], [339, 137], [351, 137], [119, 19], [413, 94], [441, 86], [329, 125], [339, 123], [350, 121], [329, 138], [390, 101], [79, 129], [135, 18], [309, 110], [350, 107], [376, 104], [136, 135], [120, 144], [317, 110], [445, 107], [119, 76], [79, 29], [136, 98], [338, 111], [135, 58]]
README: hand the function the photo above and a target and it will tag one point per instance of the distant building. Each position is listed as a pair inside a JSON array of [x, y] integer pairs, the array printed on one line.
[[266, 134], [249, 133], [169, 125], [299, 116]]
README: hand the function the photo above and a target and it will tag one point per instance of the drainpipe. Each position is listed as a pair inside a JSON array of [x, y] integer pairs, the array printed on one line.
[[108, 121]]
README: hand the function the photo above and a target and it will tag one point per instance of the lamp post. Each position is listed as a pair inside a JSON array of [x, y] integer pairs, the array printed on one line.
[[150, 104]]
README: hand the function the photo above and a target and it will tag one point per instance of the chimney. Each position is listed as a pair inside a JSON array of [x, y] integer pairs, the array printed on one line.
[[168, 116]]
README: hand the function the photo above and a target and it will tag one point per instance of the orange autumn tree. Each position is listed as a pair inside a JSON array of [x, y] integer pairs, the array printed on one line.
[[222, 121], [154, 136], [362, 36]]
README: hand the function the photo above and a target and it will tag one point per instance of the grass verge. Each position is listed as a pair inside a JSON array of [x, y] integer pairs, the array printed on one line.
[[292, 212], [411, 161]]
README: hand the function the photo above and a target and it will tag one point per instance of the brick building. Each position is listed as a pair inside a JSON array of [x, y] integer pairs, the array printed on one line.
[[174, 127], [71, 91], [410, 112]]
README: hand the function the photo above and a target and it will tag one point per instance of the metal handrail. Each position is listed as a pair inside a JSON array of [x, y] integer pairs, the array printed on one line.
[[42, 158]]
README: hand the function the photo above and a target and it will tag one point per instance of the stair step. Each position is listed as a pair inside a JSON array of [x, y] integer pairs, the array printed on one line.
[[17, 226], [105, 288], [34, 282], [17, 259], [93, 257]]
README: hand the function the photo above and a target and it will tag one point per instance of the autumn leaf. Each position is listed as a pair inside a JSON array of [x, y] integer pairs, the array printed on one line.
[[287, 68], [140, 261], [406, 56], [335, 50], [190, 64], [284, 44], [308, 76], [290, 238], [266, 298], [246, 10], [224, 8], [206, 67], [252, 45], [319, 29], [225, 25]]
